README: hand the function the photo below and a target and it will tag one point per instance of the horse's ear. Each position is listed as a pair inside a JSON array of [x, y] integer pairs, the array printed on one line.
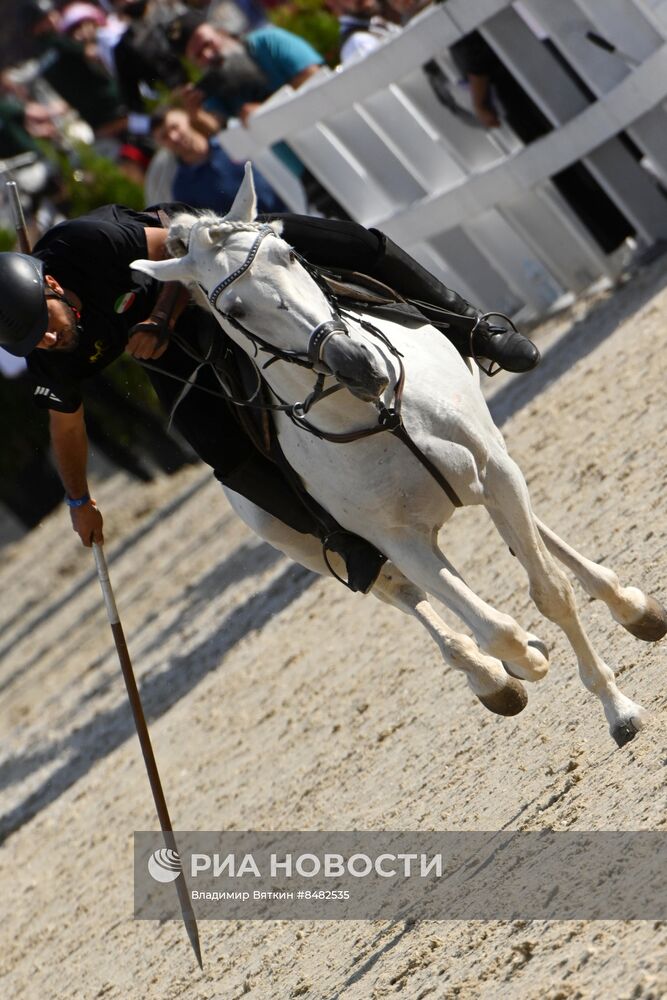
[[215, 234], [165, 270], [179, 234], [244, 208]]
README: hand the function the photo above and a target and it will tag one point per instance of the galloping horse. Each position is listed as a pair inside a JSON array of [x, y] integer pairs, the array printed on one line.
[[393, 453]]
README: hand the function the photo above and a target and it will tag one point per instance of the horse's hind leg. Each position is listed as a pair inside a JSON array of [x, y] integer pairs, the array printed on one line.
[[485, 675], [508, 503], [641, 615]]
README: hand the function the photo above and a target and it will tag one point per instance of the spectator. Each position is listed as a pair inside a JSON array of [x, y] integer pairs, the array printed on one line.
[[142, 59], [133, 162], [234, 16], [81, 21], [97, 31], [241, 73], [21, 123], [401, 11], [108, 36], [83, 83], [496, 95], [15, 139], [362, 29], [205, 176]]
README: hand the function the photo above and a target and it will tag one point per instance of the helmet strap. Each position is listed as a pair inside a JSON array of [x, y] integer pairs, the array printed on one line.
[[51, 293]]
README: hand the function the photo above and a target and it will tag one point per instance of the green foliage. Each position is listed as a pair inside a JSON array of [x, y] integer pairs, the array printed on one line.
[[7, 240], [94, 180], [130, 380], [308, 19]]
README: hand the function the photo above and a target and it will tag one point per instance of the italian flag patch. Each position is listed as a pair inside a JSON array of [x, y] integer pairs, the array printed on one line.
[[123, 302]]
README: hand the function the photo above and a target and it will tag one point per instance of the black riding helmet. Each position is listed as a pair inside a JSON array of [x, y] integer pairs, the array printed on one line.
[[24, 317]]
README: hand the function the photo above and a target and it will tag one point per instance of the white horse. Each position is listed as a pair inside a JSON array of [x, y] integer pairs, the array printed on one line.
[[270, 305]]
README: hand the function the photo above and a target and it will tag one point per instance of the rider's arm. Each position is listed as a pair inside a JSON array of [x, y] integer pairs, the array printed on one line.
[[70, 449], [482, 100], [150, 338]]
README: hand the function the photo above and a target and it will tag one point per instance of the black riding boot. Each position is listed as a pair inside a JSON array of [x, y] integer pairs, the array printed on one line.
[[507, 347]]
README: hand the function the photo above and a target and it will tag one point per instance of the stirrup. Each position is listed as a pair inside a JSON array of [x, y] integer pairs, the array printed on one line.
[[362, 575], [490, 371]]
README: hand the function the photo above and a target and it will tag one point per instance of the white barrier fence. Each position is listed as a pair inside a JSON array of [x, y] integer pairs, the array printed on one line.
[[478, 207]]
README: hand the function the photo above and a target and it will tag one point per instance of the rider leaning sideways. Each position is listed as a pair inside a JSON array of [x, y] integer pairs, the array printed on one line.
[[75, 305]]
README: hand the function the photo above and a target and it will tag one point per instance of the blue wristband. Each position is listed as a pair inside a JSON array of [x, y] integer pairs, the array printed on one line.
[[78, 502]]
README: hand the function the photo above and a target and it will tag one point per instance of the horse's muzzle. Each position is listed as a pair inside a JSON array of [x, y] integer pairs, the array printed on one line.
[[355, 367]]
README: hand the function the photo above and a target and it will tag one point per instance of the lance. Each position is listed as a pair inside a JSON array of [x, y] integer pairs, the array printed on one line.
[[145, 741], [126, 665]]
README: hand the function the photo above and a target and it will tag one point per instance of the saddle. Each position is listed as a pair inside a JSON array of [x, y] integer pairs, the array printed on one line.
[[357, 287], [354, 288]]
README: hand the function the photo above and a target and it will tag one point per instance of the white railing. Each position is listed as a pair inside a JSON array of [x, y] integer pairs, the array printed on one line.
[[476, 206]]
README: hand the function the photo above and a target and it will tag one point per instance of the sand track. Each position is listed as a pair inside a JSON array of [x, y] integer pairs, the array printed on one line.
[[280, 701]]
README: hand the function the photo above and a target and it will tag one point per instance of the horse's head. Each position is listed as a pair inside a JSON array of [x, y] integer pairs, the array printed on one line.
[[262, 296]]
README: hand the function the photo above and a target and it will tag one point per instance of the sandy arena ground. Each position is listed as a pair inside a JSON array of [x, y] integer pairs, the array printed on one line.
[[280, 701]]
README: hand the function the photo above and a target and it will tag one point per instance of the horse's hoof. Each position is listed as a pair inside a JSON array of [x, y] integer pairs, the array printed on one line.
[[624, 732], [510, 700], [533, 671], [540, 646], [653, 623]]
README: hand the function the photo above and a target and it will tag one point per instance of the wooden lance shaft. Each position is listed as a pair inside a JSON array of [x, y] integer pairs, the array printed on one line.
[[125, 663], [145, 741]]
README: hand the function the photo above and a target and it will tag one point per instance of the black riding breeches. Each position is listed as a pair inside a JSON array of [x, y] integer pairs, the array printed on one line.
[[335, 244], [213, 430]]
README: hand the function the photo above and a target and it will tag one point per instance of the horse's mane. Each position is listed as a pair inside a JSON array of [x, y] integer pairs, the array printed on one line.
[[179, 237], [179, 230]]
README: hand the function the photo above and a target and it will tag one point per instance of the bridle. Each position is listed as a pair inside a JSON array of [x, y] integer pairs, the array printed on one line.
[[389, 417], [312, 357]]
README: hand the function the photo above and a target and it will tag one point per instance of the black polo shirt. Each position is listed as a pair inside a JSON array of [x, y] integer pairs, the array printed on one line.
[[91, 257]]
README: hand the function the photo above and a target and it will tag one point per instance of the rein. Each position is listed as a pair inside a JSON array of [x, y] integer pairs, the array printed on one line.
[[389, 419]]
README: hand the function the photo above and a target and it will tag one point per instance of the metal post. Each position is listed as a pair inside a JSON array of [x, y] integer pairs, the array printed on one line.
[[19, 218]]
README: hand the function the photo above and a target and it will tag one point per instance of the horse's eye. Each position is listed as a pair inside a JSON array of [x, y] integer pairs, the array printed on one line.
[[292, 256], [236, 310]]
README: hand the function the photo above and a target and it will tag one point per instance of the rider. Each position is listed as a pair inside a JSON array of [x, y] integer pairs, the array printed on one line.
[[74, 306]]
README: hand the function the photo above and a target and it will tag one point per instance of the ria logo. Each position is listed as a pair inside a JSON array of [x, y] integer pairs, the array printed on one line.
[[164, 865]]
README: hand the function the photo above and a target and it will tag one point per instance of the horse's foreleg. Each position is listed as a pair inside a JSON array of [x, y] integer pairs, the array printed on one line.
[[508, 503], [486, 675], [498, 634], [640, 614]]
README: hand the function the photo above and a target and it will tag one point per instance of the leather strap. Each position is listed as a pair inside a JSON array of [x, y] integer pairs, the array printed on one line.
[[318, 338]]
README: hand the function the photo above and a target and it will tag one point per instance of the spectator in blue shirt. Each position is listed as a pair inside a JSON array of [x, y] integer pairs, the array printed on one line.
[[205, 176], [241, 73]]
